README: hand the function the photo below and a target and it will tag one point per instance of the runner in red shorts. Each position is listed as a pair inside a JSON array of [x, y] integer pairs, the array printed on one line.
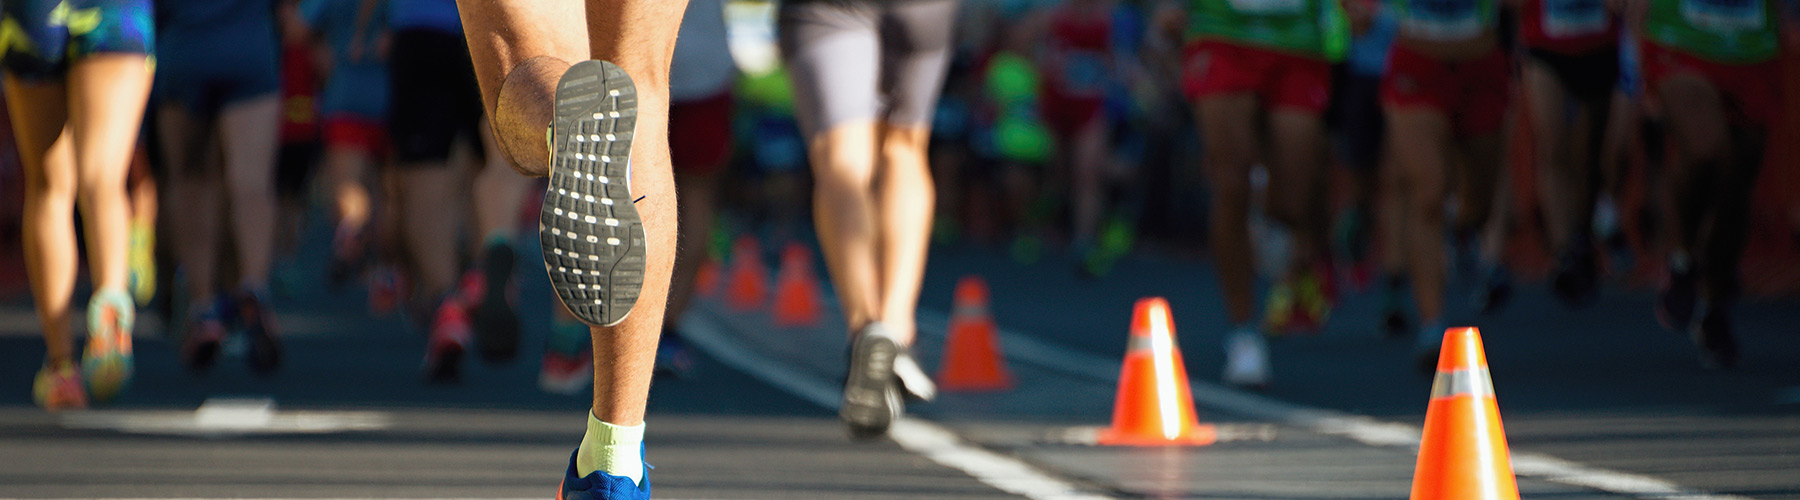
[[1711, 65], [1446, 95], [1259, 73], [1570, 69]]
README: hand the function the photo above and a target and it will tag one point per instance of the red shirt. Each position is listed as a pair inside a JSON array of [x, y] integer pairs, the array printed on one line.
[[299, 95]]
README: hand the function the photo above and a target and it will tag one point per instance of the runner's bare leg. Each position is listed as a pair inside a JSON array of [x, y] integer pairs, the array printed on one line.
[[520, 49]]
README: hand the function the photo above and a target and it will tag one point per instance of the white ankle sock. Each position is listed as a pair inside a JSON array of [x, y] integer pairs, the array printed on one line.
[[613, 449]]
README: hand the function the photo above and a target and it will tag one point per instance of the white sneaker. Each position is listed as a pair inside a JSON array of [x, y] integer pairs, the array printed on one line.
[[913, 379], [1246, 359]]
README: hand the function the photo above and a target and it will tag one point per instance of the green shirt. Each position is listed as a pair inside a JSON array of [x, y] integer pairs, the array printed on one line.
[[1305, 27], [1725, 31]]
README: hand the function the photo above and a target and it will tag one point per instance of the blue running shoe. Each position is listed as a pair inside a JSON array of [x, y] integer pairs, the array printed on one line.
[[601, 486]]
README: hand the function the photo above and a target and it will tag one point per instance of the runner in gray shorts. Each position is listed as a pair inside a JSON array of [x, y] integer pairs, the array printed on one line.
[[866, 77], [852, 60]]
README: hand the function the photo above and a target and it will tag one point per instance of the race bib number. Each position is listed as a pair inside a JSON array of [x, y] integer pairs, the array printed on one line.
[[1573, 18], [1268, 7], [1443, 19], [1724, 15], [1084, 72]]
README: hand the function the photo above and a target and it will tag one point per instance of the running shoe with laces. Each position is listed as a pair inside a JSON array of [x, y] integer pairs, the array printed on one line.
[[872, 400], [568, 364], [1246, 359], [494, 294], [107, 364], [591, 235], [445, 344], [59, 388], [599, 485], [257, 322]]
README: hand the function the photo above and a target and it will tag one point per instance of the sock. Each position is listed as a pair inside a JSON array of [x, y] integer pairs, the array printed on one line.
[[613, 449]]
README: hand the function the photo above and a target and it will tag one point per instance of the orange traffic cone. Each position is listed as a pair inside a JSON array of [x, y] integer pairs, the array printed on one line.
[[796, 290], [749, 285], [1154, 406], [706, 279], [972, 360], [1463, 451]]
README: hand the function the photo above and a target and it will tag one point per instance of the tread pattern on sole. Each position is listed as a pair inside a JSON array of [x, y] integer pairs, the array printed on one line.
[[593, 239], [869, 404]]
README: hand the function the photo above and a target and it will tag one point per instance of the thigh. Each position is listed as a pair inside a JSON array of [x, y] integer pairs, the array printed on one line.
[[1419, 145], [1228, 135], [1546, 103], [501, 34], [915, 53], [833, 51]]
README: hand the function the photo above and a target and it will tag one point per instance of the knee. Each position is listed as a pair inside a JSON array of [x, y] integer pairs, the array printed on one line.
[[49, 186], [97, 187]]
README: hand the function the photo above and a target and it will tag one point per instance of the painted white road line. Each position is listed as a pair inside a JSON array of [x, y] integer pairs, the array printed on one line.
[[1359, 428], [227, 417], [927, 439]]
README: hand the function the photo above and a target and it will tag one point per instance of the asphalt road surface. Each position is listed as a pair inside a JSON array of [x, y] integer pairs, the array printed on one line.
[[1598, 403]]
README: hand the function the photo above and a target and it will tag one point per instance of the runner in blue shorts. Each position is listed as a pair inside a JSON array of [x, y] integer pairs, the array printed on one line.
[[77, 74], [217, 87]]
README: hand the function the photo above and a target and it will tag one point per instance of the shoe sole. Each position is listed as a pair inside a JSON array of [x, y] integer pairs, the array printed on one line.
[[870, 406], [593, 239], [496, 323]]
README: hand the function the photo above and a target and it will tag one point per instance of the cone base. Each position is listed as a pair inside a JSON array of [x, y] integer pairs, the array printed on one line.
[[1197, 435], [975, 386]]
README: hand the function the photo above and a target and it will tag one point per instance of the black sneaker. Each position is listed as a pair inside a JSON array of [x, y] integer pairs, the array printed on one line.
[[592, 238], [1712, 334], [1577, 277], [496, 320], [1394, 322], [1675, 303], [872, 400], [1496, 290], [258, 323]]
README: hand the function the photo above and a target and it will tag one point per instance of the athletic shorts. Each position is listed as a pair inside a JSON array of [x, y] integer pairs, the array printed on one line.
[[207, 70], [865, 59], [1066, 114], [42, 50], [1752, 92], [347, 131], [1280, 80], [435, 98], [294, 165], [1473, 93], [1589, 77], [700, 134]]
